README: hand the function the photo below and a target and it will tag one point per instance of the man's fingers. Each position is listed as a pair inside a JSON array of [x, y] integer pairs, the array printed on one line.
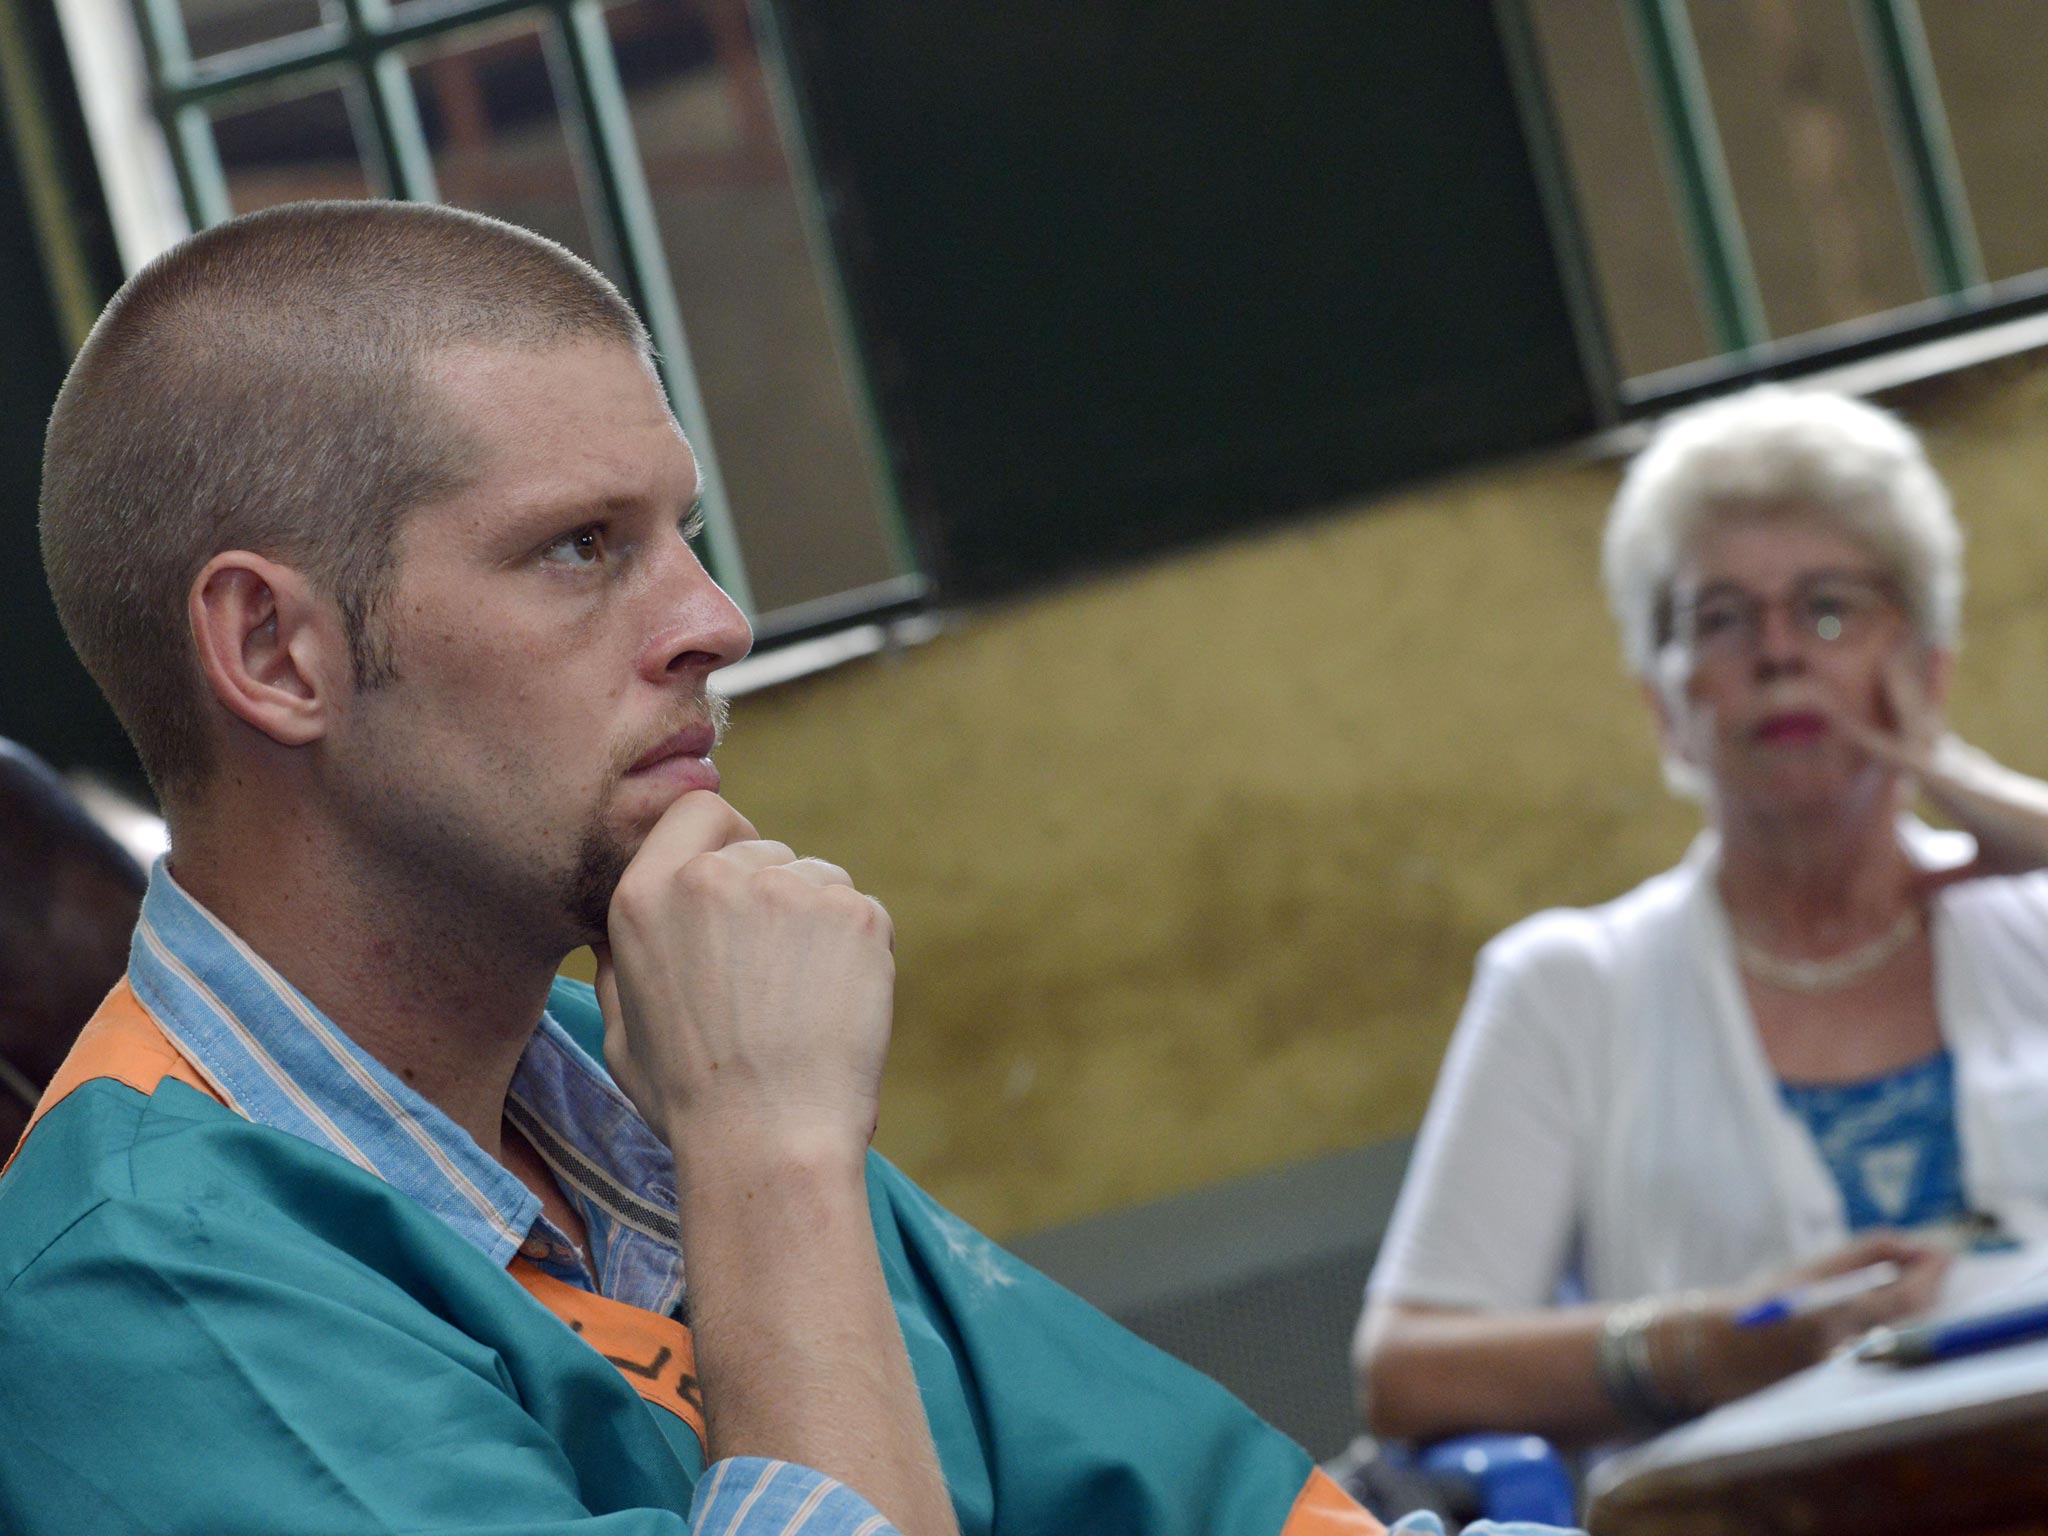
[[607, 983], [826, 876], [772, 855], [699, 822], [820, 872], [757, 853]]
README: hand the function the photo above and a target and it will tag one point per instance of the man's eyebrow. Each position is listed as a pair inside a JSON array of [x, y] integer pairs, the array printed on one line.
[[546, 512]]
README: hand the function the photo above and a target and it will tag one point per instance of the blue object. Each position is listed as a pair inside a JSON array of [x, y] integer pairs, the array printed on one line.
[[1817, 1295], [1425, 1522], [1964, 1336], [1890, 1142], [1516, 1477]]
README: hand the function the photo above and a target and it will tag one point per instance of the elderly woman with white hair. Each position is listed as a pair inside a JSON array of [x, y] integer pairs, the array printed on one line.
[[1818, 1047]]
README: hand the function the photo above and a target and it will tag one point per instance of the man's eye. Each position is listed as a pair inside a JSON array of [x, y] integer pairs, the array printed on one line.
[[693, 524], [583, 547]]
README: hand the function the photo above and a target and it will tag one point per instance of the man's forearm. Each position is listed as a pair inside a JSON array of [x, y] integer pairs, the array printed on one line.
[[798, 1349]]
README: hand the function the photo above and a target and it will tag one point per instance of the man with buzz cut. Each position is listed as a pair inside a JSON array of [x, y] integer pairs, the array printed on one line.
[[344, 1216]]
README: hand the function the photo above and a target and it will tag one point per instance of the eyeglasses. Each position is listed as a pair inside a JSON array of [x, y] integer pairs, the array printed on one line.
[[1829, 606]]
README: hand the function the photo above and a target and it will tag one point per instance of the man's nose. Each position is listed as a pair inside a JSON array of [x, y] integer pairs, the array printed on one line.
[[698, 628]]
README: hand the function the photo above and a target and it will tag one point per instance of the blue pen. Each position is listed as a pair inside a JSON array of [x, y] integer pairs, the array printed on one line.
[[1964, 1336], [1818, 1294]]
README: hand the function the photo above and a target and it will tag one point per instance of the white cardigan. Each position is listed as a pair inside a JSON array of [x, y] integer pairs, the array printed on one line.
[[1606, 1112]]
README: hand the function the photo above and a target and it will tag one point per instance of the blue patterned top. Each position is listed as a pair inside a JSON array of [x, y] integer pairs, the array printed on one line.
[[1890, 1142]]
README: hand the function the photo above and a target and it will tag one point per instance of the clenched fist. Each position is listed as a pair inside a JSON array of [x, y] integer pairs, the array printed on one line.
[[747, 992]]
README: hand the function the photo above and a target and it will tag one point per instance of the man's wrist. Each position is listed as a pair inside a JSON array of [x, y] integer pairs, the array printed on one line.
[[746, 1155]]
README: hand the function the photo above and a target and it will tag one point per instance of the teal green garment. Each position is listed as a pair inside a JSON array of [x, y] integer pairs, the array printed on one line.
[[1049, 1417], [208, 1326]]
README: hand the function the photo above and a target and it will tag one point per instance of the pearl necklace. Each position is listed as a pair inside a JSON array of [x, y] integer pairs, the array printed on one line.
[[1835, 972]]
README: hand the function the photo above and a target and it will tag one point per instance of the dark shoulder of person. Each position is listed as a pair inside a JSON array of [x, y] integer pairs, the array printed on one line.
[[69, 895]]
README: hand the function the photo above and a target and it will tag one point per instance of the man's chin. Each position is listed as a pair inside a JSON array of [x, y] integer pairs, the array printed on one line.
[[601, 860]]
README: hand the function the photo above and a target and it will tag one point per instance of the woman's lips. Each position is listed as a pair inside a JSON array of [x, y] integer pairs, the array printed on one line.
[[1792, 728]]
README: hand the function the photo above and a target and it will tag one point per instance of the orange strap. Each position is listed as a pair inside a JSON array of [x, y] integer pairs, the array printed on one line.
[[655, 1354], [121, 1041], [1324, 1509], [124, 1042]]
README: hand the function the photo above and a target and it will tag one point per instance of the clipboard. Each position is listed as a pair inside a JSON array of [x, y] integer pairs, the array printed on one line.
[[1850, 1446]]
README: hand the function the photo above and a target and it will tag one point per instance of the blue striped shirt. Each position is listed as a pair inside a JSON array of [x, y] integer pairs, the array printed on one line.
[[278, 1061]]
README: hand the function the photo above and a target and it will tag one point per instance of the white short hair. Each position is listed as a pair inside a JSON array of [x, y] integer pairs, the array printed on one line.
[[1773, 451]]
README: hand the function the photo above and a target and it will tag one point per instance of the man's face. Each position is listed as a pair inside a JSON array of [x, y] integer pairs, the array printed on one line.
[[551, 633]]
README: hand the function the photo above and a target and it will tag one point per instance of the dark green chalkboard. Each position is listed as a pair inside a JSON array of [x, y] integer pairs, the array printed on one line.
[[46, 700], [1125, 272]]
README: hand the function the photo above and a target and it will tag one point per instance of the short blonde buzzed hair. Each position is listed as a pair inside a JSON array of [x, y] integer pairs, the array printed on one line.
[[259, 387], [1779, 451]]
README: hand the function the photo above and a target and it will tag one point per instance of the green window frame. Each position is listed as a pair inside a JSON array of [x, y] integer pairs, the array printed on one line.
[[1923, 158]]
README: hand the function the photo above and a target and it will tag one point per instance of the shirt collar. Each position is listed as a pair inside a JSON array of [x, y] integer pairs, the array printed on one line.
[[280, 1062]]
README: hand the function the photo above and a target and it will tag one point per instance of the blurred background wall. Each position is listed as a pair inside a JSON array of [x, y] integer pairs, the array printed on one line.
[[1189, 865]]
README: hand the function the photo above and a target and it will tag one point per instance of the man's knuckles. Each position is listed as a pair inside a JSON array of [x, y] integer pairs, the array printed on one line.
[[648, 889], [767, 874], [821, 872], [826, 895], [865, 914]]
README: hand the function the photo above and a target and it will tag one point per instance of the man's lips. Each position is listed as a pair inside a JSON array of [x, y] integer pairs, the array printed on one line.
[[691, 747], [1791, 727]]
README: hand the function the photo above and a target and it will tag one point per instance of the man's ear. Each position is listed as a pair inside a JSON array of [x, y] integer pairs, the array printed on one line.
[[271, 649]]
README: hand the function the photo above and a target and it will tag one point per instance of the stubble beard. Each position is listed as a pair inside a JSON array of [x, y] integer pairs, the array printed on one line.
[[601, 860], [602, 854]]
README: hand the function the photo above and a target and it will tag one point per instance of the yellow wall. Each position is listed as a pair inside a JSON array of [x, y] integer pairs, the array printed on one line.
[[1189, 864]]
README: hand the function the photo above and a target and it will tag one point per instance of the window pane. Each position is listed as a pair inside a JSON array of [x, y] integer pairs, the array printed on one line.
[[1623, 192], [495, 131], [219, 26], [1990, 58], [281, 149], [1805, 145], [806, 496]]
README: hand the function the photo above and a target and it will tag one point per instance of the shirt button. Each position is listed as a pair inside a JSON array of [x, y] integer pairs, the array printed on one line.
[[535, 1247]]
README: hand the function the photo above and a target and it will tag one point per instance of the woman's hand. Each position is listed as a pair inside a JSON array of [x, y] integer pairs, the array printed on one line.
[[2004, 810], [1738, 1360], [1425, 1372]]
